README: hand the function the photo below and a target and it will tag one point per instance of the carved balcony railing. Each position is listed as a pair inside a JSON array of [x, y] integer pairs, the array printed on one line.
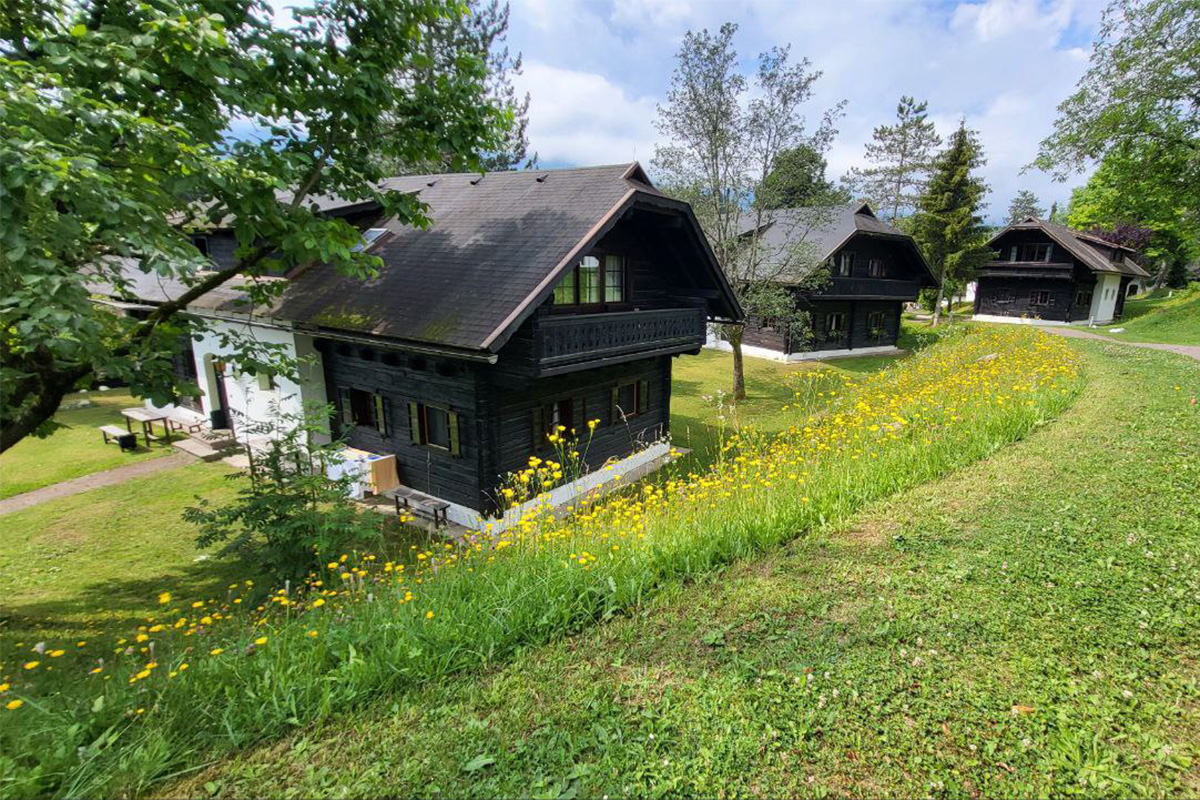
[[571, 339], [888, 288]]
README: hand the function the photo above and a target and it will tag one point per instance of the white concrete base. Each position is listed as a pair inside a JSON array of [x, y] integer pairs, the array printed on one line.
[[594, 483], [812, 355], [1039, 321]]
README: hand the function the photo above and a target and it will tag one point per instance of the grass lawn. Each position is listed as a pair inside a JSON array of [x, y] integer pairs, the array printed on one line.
[[1159, 318], [95, 562], [1028, 625], [75, 450]]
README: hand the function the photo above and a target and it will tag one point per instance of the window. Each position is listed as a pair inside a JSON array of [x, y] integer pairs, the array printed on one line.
[[1039, 298], [594, 280], [361, 408], [201, 244], [629, 400], [1114, 255], [875, 324], [614, 279], [369, 237], [835, 324], [548, 417], [435, 427], [875, 268], [1030, 252], [589, 280], [844, 264], [1083, 298]]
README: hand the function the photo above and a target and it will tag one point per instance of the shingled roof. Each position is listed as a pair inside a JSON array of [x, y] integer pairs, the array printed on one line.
[[819, 232], [1086, 248], [498, 243]]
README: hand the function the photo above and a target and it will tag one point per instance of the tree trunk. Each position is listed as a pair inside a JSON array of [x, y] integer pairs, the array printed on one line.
[[937, 307], [739, 369]]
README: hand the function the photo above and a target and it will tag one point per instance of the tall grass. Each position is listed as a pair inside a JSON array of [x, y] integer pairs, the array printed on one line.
[[366, 627]]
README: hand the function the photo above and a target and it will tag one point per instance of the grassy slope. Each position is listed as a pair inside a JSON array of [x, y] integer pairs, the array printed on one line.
[[97, 560], [1159, 318], [76, 450], [1028, 625]]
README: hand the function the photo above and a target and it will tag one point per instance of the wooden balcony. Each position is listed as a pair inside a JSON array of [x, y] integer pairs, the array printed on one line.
[[869, 289], [570, 341]]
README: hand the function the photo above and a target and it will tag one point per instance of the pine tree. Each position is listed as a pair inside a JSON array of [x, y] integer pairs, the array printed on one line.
[[1025, 204], [902, 155], [948, 227]]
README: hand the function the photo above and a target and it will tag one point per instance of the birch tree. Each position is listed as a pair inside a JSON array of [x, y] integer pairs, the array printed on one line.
[[721, 146]]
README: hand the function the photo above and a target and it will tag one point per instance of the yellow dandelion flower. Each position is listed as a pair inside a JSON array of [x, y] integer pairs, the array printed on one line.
[[164, 598], [31, 664], [260, 640], [216, 651], [13, 705]]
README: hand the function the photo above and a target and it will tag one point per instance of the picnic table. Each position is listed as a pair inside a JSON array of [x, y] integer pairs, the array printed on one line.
[[147, 418]]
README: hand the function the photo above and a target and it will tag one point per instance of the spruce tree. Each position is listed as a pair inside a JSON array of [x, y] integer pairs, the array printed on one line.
[[948, 227], [902, 156], [1024, 204]]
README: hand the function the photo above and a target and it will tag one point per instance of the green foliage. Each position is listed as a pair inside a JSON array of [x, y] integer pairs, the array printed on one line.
[[948, 227], [115, 144], [797, 178], [1024, 204], [902, 156], [289, 515]]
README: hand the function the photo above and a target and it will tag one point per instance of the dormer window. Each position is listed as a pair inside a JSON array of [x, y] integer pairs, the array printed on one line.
[[1114, 255], [843, 264], [594, 280]]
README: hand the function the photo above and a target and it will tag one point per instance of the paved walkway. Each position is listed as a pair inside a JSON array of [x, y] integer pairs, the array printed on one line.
[[94, 481], [1073, 333]]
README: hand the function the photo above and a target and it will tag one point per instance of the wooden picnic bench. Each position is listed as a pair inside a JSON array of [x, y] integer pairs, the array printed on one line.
[[432, 506], [126, 440], [147, 418]]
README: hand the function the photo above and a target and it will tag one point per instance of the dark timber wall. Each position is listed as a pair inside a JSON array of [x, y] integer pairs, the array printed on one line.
[[1012, 297]]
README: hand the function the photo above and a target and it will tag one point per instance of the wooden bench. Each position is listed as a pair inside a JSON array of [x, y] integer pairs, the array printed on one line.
[[179, 422], [430, 505], [126, 440]]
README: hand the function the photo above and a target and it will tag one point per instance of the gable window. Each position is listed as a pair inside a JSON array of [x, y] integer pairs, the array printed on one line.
[[593, 280], [629, 400], [359, 408], [1039, 298], [875, 268], [843, 265], [1030, 252], [835, 324], [434, 426], [1114, 255]]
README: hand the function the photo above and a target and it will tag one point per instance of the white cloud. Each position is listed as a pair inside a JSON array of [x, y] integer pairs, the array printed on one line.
[[995, 19], [583, 118]]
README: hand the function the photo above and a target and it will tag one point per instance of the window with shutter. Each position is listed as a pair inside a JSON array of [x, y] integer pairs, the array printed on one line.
[[346, 409], [381, 417], [455, 441], [414, 424], [643, 395]]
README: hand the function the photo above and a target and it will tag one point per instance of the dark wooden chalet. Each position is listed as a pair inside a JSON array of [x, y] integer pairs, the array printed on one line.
[[1044, 271], [873, 270], [536, 299]]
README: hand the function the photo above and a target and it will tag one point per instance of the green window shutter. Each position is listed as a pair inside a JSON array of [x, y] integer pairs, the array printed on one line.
[[537, 429], [347, 412], [452, 418], [643, 398], [414, 423], [381, 420], [614, 412]]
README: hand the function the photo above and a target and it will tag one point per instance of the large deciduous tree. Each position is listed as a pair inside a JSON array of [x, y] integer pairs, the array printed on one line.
[[115, 143], [1024, 204], [797, 179], [901, 156], [721, 148], [948, 227]]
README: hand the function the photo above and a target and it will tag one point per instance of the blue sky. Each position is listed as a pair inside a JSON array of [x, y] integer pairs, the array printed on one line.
[[595, 70]]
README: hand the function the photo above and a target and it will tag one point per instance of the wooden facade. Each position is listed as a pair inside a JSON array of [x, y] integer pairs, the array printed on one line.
[[1047, 272]]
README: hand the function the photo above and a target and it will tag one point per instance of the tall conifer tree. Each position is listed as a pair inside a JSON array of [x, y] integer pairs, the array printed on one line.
[[901, 156], [948, 226], [1024, 204]]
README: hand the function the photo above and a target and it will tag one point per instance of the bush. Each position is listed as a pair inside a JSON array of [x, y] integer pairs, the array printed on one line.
[[290, 512]]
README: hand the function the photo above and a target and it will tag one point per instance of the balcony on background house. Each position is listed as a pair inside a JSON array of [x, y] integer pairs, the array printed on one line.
[[576, 341], [869, 289]]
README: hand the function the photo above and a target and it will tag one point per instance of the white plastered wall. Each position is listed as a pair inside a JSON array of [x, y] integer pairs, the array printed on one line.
[[1104, 299]]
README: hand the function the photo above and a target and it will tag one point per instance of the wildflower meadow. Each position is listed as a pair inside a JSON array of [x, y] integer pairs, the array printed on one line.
[[203, 676]]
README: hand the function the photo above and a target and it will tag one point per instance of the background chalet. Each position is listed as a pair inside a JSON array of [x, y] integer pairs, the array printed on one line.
[[1048, 272], [536, 299], [873, 270]]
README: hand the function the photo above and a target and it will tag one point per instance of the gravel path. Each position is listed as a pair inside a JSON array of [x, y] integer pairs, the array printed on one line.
[[1186, 349], [94, 481]]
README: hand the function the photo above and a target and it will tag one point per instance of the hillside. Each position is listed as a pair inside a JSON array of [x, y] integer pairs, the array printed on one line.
[[1162, 318]]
